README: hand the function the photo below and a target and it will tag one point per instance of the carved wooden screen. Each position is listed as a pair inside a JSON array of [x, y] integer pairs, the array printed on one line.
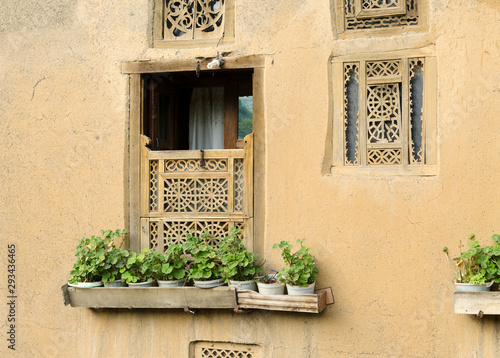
[[374, 14], [383, 112], [195, 191], [225, 350], [192, 19]]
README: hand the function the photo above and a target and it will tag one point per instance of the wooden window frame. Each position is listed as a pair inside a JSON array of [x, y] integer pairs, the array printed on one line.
[[135, 70], [339, 19], [161, 42], [429, 113]]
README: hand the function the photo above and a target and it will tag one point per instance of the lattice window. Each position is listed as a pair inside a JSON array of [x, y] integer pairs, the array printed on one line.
[[225, 350], [180, 20], [190, 192], [386, 117], [375, 14]]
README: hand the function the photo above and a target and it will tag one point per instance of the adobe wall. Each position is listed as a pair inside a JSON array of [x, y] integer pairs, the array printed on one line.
[[377, 239]]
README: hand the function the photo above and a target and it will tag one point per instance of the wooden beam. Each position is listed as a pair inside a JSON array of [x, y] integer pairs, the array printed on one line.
[[191, 64]]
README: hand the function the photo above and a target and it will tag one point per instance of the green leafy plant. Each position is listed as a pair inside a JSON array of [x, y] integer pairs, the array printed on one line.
[[478, 264], [115, 257], [96, 257], [139, 266], [301, 269], [205, 266], [171, 265], [238, 264]]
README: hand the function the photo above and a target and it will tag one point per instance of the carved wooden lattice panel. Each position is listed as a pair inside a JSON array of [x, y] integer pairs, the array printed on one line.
[[191, 191], [193, 19], [383, 112], [351, 113], [373, 14], [225, 350]]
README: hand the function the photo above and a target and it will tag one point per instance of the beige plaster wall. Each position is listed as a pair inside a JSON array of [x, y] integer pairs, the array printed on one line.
[[377, 239]]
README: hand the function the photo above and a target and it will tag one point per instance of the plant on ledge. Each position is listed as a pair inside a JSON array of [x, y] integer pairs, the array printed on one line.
[[139, 268], [170, 266], [205, 266], [301, 270], [115, 257], [91, 259], [238, 264], [478, 264]]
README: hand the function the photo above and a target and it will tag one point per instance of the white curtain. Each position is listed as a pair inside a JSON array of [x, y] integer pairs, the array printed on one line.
[[206, 118]]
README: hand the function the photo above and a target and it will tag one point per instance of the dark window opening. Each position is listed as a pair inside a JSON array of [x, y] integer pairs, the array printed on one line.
[[208, 110]]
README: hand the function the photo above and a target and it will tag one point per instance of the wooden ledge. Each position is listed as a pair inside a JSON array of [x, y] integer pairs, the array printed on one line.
[[477, 303], [150, 297], [193, 298]]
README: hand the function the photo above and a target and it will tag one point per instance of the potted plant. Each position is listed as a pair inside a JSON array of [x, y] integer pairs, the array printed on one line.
[[88, 268], [169, 268], [114, 258], [205, 270], [477, 268], [138, 270], [239, 266], [301, 270], [271, 284]]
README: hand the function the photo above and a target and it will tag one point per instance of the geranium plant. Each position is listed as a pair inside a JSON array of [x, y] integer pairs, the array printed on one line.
[[301, 269], [479, 264], [171, 265], [238, 264], [205, 266], [97, 257], [115, 257], [139, 267]]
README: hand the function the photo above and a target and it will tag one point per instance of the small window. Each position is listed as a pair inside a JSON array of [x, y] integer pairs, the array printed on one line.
[[384, 111], [377, 14], [224, 350], [193, 22]]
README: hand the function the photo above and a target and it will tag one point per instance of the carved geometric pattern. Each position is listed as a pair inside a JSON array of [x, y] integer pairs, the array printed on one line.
[[379, 4], [190, 195], [224, 353], [351, 113], [189, 17], [384, 156], [175, 231], [417, 124], [153, 235], [383, 113], [354, 23], [382, 68], [238, 185], [194, 165], [153, 185]]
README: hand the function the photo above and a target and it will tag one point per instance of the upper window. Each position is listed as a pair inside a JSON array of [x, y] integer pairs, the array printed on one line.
[[193, 22], [377, 14], [384, 111]]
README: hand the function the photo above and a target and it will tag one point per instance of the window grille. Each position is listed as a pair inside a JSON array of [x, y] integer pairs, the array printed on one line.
[[181, 20], [225, 350], [374, 14], [385, 112]]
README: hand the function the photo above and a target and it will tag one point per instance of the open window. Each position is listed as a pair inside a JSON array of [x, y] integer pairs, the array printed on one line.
[[177, 187]]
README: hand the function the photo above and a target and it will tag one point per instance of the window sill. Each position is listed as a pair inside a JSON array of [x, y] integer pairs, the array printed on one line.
[[393, 170], [191, 298], [477, 303]]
